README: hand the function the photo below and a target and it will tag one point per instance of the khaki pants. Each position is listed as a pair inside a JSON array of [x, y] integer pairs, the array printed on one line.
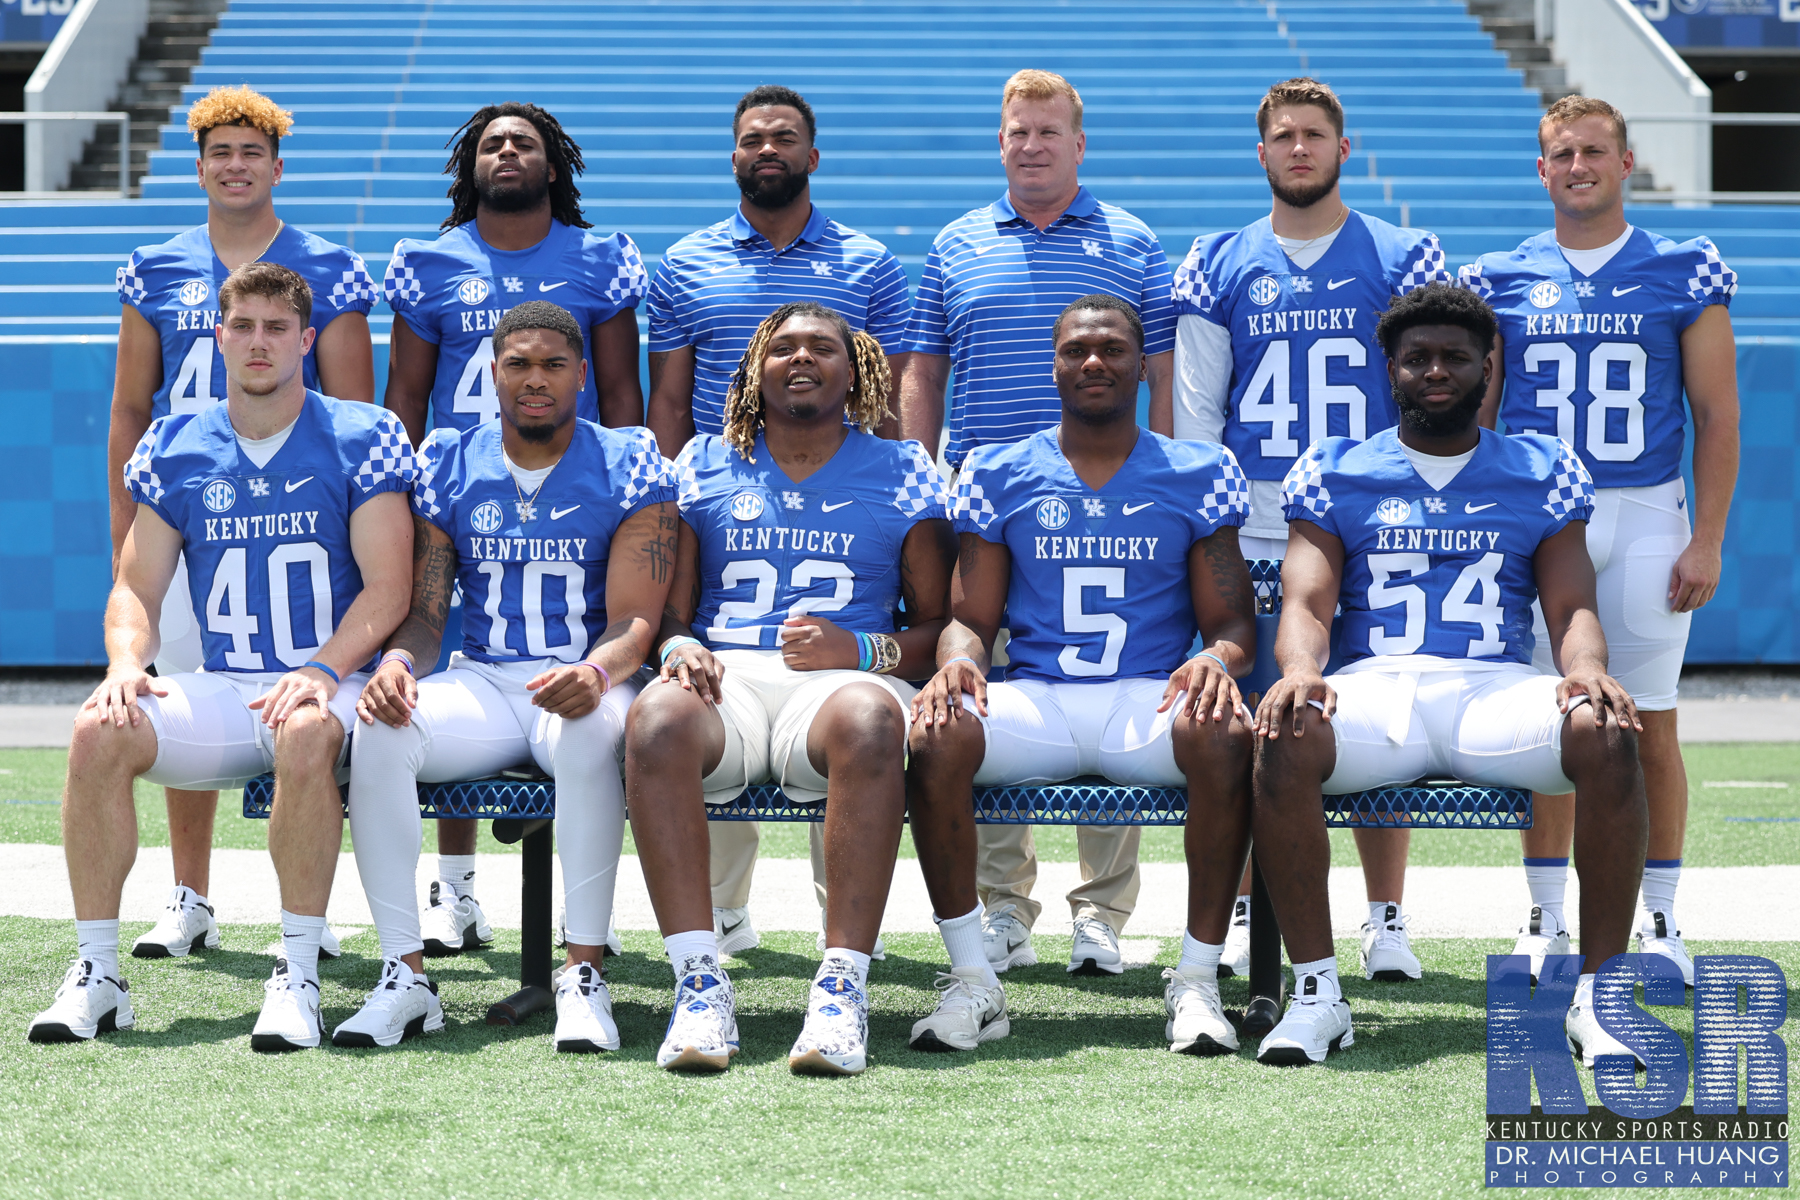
[[734, 846], [1006, 869]]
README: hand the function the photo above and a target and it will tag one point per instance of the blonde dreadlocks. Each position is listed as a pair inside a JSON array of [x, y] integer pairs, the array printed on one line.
[[866, 403]]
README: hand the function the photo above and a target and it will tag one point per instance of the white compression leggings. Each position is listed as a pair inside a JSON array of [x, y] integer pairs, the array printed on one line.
[[475, 720]]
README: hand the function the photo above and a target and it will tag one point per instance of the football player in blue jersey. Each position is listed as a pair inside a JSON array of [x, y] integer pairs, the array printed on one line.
[[1106, 547], [291, 507], [800, 536], [169, 362], [1603, 327], [562, 534], [1434, 539], [1275, 348], [515, 232]]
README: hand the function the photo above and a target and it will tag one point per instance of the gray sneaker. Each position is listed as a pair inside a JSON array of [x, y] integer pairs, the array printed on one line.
[[1006, 940]]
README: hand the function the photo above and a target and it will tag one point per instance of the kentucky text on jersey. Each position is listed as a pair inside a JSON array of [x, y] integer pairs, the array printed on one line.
[[1132, 548], [244, 529], [175, 287], [813, 541], [1304, 360], [1596, 359], [487, 549]]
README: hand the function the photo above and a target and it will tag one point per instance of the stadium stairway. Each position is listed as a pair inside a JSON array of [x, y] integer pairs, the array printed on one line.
[[907, 97]]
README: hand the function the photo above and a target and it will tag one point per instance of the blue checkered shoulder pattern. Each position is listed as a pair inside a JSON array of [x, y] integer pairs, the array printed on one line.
[[687, 477], [140, 472], [1713, 282], [354, 285], [650, 471], [1469, 275], [629, 280], [427, 459], [971, 502], [1427, 268], [1304, 490], [131, 285], [389, 460], [1190, 289], [1571, 487], [1228, 503], [402, 285], [921, 492]]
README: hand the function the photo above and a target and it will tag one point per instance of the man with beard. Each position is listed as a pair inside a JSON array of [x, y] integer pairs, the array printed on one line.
[[711, 291], [1433, 539], [515, 233], [1275, 349]]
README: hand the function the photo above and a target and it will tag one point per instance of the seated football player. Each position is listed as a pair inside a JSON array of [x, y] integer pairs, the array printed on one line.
[[1435, 537], [1105, 547], [800, 536], [291, 509], [561, 533]]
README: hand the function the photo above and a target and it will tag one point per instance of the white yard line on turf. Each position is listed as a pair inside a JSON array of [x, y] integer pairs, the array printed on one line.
[[1740, 903]]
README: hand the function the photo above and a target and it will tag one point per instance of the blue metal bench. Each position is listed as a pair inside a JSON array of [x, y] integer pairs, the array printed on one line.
[[522, 805]]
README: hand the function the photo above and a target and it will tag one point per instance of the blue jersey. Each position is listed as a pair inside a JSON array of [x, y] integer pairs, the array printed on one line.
[[1596, 359], [1305, 363], [771, 548], [454, 290], [175, 287], [1446, 572], [270, 570], [533, 570], [1100, 586]]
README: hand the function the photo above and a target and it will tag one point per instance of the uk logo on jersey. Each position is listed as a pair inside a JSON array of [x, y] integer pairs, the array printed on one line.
[[194, 292], [259, 487], [1434, 504], [1053, 513], [1545, 294], [1393, 511], [1093, 506], [1264, 290], [747, 506], [512, 284], [487, 517], [1583, 290], [472, 291], [1302, 283], [219, 495], [793, 500]]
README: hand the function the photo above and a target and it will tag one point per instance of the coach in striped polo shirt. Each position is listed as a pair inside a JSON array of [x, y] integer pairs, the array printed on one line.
[[712, 289], [994, 282], [716, 285]]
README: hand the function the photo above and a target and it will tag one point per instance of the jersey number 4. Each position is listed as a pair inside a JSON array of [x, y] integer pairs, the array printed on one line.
[[228, 604], [1266, 400], [1460, 604], [193, 390]]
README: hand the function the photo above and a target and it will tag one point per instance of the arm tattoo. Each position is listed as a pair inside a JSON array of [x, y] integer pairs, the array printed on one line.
[[659, 551], [969, 556], [434, 576], [1229, 574]]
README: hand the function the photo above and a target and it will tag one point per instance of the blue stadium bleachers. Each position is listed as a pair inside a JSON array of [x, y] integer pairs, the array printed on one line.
[[907, 98]]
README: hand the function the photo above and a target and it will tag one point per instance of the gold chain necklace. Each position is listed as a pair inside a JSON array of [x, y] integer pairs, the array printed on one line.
[[1309, 242]]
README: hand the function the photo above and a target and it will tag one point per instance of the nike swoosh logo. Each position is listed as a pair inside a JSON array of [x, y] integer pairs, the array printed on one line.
[[1136, 508], [1334, 284], [981, 250], [557, 514], [1619, 291], [1475, 508], [835, 507], [728, 930], [294, 483], [549, 287]]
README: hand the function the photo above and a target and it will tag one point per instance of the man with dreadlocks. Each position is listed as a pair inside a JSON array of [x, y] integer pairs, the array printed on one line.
[[514, 233], [789, 515], [169, 362]]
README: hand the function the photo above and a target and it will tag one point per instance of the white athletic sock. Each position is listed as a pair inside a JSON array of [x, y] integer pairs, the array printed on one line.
[[1661, 875], [457, 872], [98, 942], [693, 944], [1548, 879], [300, 944], [1326, 969], [857, 958], [1198, 957], [962, 938]]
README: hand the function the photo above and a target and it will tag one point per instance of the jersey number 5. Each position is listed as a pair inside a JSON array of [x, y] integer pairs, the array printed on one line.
[[1077, 620]]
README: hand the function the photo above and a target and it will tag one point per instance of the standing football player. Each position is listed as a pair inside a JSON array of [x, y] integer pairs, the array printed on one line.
[[169, 362], [1603, 327], [1433, 540], [1106, 547], [291, 507], [515, 232], [789, 515], [562, 534], [1275, 348]]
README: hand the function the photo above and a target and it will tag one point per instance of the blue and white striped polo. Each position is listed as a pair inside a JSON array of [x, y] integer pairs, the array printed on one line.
[[993, 286], [714, 287]]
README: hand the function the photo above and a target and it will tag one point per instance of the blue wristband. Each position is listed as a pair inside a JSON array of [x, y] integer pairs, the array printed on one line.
[[675, 643], [313, 662], [1215, 658], [865, 651]]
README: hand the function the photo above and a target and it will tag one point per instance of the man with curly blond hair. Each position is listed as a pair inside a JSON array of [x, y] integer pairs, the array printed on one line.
[[169, 362]]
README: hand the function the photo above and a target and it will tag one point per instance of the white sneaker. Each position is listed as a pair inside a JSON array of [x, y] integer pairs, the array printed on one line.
[[584, 1016], [1316, 1023], [1659, 940], [968, 1013], [1539, 937], [735, 933], [1096, 949], [290, 1012], [1386, 951], [85, 1006], [1234, 960], [612, 947], [328, 944], [835, 1038], [878, 954], [185, 925], [1197, 1023], [1006, 940], [703, 1033], [1587, 1041], [453, 923], [401, 1005]]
